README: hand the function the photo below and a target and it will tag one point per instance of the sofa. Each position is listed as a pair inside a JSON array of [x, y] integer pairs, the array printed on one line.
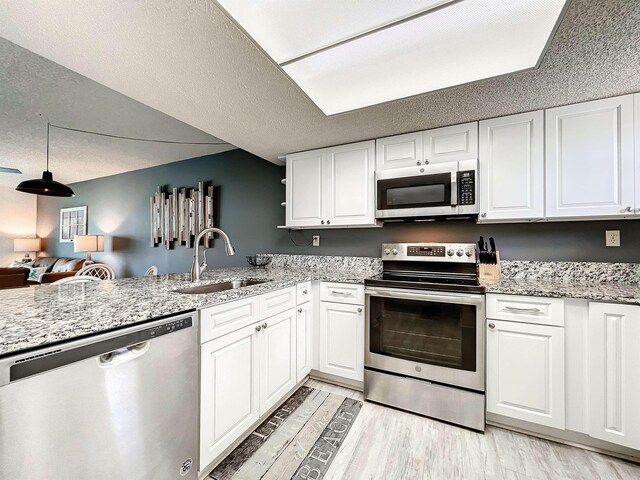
[[13, 277], [57, 268]]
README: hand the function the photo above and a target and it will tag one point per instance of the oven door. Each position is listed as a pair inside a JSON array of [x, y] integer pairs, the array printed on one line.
[[436, 336], [417, 191]]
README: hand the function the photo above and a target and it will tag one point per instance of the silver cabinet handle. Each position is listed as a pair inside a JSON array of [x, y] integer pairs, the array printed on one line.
[[628, 209], [492, 326], [336, 292], [328, 222], [418, 162], [258, 328], [300, 310], [304, 292], [360, 310], [426, 161], [322, 222], [264, 325], [483, 215], [523, 310]]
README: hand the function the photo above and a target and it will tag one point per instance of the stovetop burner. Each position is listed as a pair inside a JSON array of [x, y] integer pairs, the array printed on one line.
[[429, 266]]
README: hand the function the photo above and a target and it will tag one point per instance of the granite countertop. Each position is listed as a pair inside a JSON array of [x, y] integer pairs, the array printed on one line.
[[37, 316], [613, 292]]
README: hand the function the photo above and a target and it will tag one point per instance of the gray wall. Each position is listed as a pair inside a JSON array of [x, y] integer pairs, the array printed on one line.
[[250, 196], [250, 193]]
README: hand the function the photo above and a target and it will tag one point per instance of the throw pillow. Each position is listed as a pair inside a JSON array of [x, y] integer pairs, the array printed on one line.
[[15, 264], [35, 274]]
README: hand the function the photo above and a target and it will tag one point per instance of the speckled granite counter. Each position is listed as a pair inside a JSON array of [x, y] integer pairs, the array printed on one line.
[[599, 281], [37, 316]]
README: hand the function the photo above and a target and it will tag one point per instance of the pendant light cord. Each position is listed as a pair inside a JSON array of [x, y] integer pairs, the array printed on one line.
[[123, 138]]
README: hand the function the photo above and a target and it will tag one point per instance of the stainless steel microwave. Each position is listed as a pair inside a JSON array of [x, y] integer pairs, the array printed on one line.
[[443, 189]]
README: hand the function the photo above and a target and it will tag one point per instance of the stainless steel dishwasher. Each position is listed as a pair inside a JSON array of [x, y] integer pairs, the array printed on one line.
[[120, 405]]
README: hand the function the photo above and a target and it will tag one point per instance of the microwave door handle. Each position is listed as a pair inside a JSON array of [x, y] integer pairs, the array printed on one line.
[[454, 189]]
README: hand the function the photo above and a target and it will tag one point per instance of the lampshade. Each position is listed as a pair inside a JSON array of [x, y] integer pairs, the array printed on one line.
[[26, 245], [45, 186], [88, 243]]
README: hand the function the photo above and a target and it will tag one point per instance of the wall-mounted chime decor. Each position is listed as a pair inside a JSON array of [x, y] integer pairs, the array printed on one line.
[[181, 215]]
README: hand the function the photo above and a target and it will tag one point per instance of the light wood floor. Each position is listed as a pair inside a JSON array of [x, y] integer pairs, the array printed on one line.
[[389, 444]]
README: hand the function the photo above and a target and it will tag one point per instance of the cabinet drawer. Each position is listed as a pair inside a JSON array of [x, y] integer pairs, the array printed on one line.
[[277, 301], [518, 308], [227, 317], [303, 292], [342, 293]]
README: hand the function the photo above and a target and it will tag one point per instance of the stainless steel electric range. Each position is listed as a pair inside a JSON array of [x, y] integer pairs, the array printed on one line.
[[424, 333]]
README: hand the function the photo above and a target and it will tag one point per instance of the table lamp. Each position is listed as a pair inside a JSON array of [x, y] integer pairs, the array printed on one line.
[[27, 245], [88, 244]]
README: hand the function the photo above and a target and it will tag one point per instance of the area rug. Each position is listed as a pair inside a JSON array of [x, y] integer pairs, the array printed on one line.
[[298, 441]]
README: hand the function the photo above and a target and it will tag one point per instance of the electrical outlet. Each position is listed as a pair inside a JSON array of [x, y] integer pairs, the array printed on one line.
[[612, 238], [316, 240]]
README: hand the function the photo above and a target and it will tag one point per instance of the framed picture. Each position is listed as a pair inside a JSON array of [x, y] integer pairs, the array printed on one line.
[[73, 221]]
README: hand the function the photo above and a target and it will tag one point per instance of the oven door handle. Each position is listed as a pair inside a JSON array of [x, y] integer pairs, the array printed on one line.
[[441, 297]]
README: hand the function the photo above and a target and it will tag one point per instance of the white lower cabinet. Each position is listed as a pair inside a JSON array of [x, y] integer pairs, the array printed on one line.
[[525, 372], [614, 359], [229, 391], [341, 340], [304, 343], [277, 347]]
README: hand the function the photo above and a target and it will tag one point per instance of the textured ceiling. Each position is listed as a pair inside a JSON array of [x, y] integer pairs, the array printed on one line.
[[189, 60], [33, 88]]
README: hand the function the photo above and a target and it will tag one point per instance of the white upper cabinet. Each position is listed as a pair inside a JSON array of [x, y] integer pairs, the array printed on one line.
[[304, 188], [451, 144], [511, 164], [349, 196], [614, 357], [590, 159], [332, 187], [446, 144], [399, 151]]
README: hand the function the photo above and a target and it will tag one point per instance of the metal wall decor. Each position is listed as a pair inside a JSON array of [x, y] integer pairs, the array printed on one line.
[[181, 215]]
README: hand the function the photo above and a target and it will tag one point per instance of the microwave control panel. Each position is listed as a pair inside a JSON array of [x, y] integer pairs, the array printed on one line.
[[467, 187]]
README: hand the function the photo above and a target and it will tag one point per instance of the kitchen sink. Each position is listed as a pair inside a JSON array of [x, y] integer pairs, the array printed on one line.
[[220, 287]]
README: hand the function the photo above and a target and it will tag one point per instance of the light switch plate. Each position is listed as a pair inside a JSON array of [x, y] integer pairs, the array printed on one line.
[[612, 238], [316, 240]]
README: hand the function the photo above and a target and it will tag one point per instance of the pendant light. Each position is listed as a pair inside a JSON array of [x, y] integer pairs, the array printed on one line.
[[46, 185]]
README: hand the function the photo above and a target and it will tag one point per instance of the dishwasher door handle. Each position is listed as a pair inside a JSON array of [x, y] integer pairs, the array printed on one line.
[[122, 355]]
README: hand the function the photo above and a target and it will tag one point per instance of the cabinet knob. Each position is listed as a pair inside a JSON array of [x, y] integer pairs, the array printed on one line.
[[322, 222], [264, 325], [300, 310], [328, 222], [304, 292], [492, 326], [258, 328], [360, 310], [628, 209], [418, 162], [483, 215], [426, 161]]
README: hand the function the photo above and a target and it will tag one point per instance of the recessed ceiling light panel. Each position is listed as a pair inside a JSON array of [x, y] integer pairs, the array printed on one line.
[[461, 42]]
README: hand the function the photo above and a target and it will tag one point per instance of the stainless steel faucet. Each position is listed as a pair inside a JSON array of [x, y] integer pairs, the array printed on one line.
[[196, 268]]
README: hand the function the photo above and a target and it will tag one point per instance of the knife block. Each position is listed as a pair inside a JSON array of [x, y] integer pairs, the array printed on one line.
[[490, 271]]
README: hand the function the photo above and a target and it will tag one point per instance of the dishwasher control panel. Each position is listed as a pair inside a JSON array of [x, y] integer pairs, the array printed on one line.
[[169, 327]]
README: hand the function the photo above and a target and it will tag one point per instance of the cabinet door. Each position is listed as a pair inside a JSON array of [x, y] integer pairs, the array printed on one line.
[[525, 372], [304, 188], [512, 167], [614, 357], [349, 195], [342, 340], [451, 144], [304, 343], [399, 151], [277, 339], [590, 159], [229, 385]]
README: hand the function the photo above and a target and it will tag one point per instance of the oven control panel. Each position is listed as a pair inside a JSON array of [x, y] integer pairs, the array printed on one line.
[[430, 252]]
